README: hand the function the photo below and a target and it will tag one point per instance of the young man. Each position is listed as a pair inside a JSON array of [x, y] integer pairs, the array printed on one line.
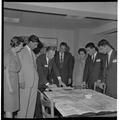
[[94, 66], [45, 66], [111, 67], [63, 62], [28, 79]]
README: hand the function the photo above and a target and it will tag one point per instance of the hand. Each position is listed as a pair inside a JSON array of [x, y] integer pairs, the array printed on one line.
[[69, 81], [62, 84], [10, 90], [22, 85], [101, 85]]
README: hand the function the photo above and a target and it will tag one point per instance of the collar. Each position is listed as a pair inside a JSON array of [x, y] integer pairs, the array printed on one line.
[[47, 59], [28, 48], [61, 53], [95, 54], [110, 52]]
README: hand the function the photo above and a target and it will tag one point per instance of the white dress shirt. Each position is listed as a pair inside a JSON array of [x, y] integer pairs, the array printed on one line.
[[109, 55]]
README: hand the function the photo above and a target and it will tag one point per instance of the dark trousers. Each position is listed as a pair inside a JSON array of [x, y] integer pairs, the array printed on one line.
[[38, 108]]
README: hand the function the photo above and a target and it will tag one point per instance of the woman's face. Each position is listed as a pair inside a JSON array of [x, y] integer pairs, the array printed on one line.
[[18, 48], [82, 55]]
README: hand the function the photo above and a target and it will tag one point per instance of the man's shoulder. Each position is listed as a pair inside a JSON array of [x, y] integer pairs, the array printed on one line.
[[42, 56], [100, 54]]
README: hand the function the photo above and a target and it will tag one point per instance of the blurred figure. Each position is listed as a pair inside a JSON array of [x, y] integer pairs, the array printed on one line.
[[12, 67], [78, 82], [28, 79], [62, 60], [94, 67], [111, 67], [45, 66]]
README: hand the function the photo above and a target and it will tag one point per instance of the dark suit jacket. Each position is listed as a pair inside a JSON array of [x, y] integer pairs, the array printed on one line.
[[44, 71], [94, 71], [111, 76], [67, 65]]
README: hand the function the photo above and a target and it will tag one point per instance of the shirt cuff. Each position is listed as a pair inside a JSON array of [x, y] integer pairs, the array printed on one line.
[[47, 84], [59, 78]]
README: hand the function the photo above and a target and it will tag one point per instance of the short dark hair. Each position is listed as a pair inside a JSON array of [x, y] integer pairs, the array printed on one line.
[[104, 42], [16, 41], [33, 38], [48, 48], [91, 45], [81, 50], [63, 44]]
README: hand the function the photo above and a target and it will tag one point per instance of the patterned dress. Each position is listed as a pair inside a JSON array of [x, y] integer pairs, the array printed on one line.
[[11, 100]]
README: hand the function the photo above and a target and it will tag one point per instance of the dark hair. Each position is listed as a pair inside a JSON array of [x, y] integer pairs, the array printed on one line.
[[81, 50], [91, 45], [33, 38], [16, 41], [104, 42], [39, 47], [50, 48], [63, 44]]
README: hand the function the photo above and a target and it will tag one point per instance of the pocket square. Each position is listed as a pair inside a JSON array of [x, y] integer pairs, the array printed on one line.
[[45, 65], [114, 60], [98, 60]]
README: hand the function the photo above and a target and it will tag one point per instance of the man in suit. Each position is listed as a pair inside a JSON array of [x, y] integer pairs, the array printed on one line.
[[45, 66], [94, 66], [63, 61], [72, 62], [111, 67], [28, 79]]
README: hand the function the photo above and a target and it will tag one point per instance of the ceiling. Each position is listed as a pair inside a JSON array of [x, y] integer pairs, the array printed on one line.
[[57, 21]]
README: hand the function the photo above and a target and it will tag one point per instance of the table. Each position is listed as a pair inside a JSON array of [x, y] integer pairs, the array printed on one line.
[[74, 101]]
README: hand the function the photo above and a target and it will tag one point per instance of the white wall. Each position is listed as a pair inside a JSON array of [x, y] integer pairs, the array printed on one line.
[[62, 35]]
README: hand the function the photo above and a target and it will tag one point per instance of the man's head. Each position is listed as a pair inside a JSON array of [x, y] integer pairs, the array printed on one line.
[[82, 53], [90, 48], [104, 46], [33, 41], [63, 47], [50, 51]]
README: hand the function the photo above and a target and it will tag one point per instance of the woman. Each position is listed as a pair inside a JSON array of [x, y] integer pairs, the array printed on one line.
[[11, 69], [80, 68]]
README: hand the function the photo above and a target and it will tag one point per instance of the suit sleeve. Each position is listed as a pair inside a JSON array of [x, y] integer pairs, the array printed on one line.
[[86, 71], [55, 69], [102, 69], [42, 76]]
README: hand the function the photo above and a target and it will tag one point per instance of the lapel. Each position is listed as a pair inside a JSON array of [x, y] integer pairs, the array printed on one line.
[[112, 57], [44, 61], [95, 58], [28, 55]]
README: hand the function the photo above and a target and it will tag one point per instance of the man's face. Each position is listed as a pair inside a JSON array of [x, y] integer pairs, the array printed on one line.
[[102, 49], [90, 51], [33, 45], [51, 54], [62, 48]]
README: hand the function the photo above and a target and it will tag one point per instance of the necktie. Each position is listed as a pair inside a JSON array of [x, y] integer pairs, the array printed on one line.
[[61, 58], [93, 58]]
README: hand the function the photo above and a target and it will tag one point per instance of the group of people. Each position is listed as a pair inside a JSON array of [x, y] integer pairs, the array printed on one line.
[[98, 64], [25, 72]]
